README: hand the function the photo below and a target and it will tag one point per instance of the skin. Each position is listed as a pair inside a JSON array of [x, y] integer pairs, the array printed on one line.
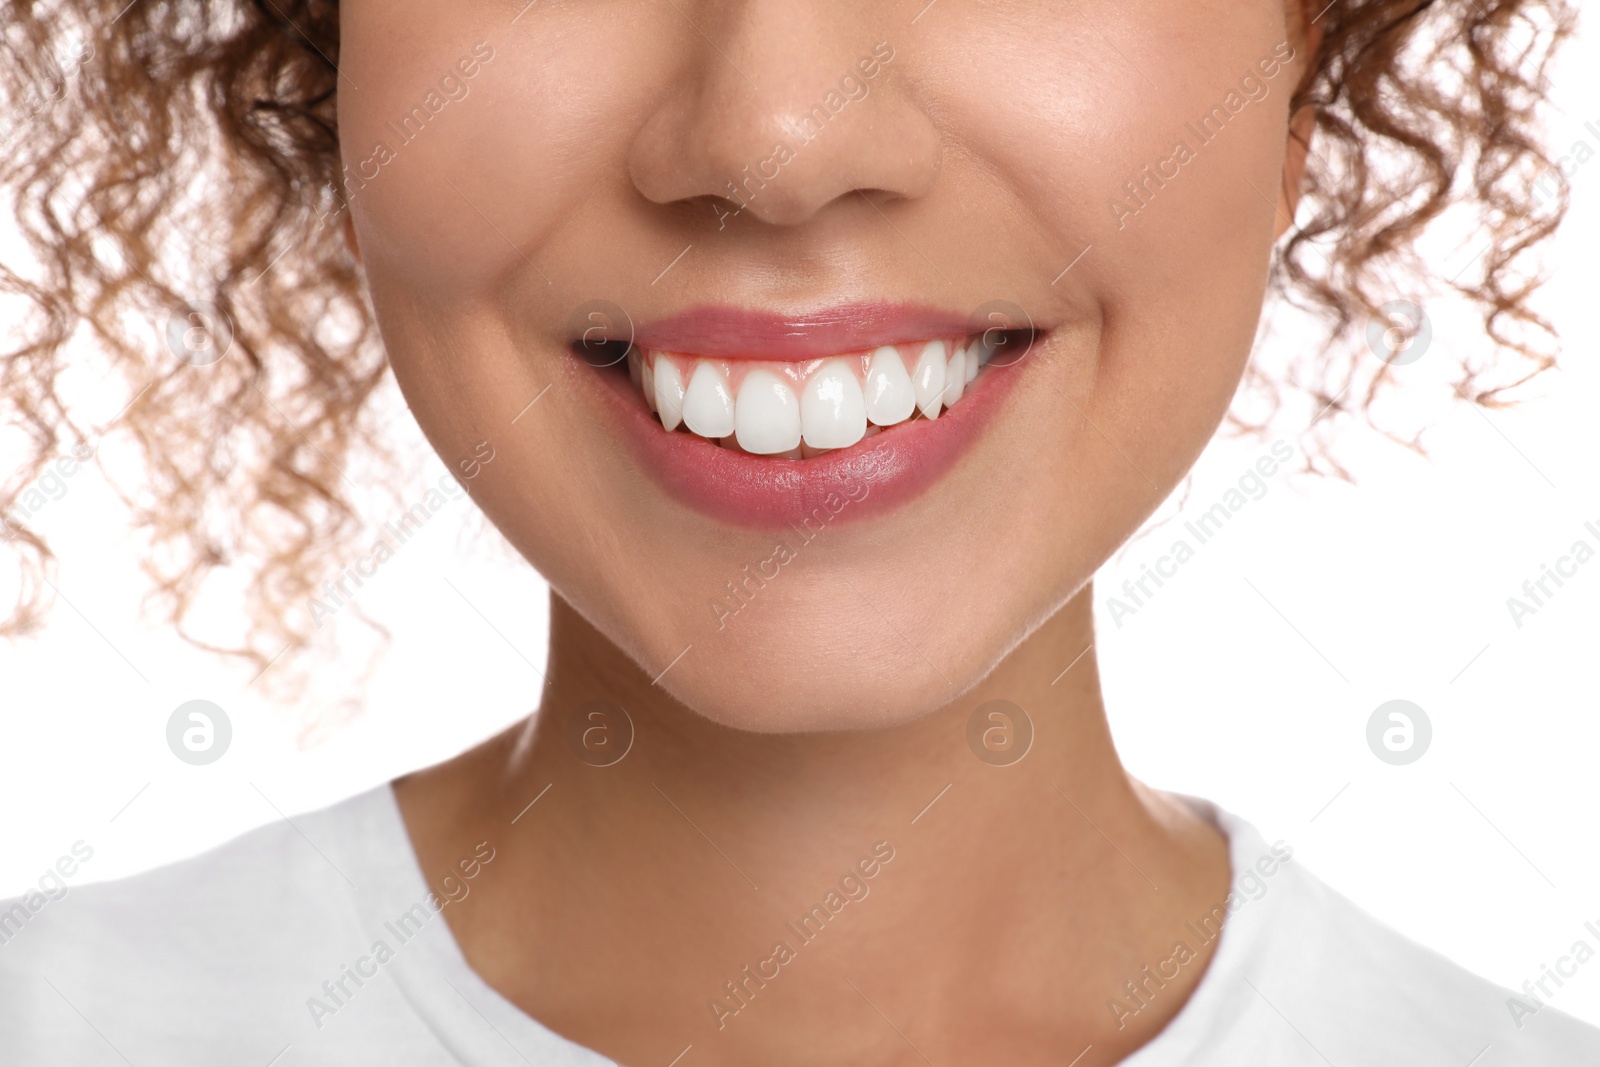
[[589, 152]]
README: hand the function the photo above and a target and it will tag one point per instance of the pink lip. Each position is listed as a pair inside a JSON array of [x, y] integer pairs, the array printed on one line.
[[758, 492], [735, 333]]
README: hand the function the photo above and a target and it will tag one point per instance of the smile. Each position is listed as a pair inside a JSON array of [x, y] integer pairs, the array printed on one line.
[[804, 410], [761, 421]]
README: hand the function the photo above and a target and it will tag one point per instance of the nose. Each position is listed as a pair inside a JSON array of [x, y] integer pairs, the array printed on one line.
[[778, 110]]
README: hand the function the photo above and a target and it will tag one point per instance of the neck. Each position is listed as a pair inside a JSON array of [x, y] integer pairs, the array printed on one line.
[[976, 888]]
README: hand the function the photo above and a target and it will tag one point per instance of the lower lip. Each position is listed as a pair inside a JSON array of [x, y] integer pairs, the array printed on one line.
[[871, 477]]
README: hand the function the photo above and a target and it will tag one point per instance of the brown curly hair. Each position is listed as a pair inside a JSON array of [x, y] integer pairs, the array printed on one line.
[[117, 111]]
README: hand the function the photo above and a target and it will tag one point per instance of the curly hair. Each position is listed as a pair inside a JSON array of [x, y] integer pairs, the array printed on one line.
[[136, 129]]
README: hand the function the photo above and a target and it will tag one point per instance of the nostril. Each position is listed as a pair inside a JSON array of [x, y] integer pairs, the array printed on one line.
[[720, 209], [772, 204]]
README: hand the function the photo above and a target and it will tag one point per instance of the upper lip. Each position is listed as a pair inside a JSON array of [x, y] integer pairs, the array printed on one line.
[[721, 332]]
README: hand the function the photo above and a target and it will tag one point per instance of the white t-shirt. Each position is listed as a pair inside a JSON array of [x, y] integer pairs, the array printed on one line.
[[266, 951]]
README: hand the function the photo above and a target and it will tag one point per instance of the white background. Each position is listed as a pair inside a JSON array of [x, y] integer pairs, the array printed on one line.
[[1248, 679]]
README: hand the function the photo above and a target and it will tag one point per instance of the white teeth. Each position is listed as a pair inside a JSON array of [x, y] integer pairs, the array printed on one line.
[[928, 379], [666, 390], [889, 395], [955, 375], [842, 399], [707, 404], [766, 416], [833, 412]]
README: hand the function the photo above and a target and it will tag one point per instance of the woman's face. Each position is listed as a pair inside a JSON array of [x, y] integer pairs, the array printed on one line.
[[804, 216]]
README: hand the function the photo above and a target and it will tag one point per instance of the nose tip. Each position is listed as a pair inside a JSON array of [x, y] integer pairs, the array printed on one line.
[[826, 123]]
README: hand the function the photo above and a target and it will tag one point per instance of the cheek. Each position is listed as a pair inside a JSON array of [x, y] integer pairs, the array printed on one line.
[[1174, 243], [449, 216], [489, 182]]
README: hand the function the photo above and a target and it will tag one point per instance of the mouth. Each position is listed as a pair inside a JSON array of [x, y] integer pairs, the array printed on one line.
[[763, 421]]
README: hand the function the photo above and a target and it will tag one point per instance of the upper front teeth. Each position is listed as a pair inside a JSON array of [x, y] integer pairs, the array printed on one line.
[[833, 411], [890, 397], [766, 416], [708, 404], [771, 408]]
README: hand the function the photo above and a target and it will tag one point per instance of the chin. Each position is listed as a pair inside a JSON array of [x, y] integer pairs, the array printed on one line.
[[807, 695], [828, 655]]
